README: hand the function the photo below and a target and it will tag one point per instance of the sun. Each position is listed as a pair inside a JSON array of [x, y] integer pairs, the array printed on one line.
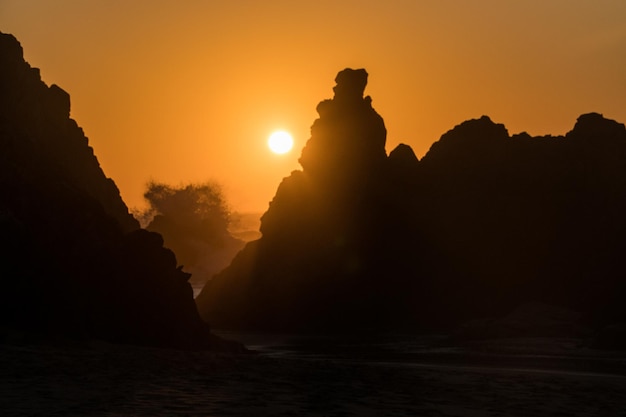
[[280, 142]]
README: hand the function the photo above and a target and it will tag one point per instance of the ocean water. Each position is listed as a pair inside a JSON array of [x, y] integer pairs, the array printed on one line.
[[296, 375]]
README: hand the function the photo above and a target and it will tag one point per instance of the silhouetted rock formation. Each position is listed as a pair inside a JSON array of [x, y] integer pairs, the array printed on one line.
[[537, 219], [484, 223], [74, 261], [527, 320], [348, 140], [201, 253], [333, 239]]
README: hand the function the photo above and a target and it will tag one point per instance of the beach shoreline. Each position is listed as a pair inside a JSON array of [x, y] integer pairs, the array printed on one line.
[[101, 379]]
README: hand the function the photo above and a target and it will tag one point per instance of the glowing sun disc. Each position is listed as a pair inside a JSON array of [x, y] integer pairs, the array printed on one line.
[[280, 142]]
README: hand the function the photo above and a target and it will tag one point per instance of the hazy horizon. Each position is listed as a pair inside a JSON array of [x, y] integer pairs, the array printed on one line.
[[189, 92]]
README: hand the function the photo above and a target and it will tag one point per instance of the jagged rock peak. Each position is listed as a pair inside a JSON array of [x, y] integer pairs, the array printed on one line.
[[403, 154], [402, 162], [11, 48], [349, 138], [350, 84], [35, 118], [478, 129], [594, 125], [467, 138]]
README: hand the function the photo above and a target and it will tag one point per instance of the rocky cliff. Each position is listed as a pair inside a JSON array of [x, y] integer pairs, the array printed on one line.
[[334, 237], [74, 262], [484, 223]]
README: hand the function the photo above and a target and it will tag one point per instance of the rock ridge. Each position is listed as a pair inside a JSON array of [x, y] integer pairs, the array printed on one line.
[[484, 224], [74, 263]]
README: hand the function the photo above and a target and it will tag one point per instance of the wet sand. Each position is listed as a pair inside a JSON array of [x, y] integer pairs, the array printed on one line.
[[520, 378]]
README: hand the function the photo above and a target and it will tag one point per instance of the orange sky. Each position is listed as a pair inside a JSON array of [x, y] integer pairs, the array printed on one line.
[[189, 90]]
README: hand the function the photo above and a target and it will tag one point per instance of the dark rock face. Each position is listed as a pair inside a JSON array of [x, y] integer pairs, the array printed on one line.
[[527, 320], [74, 261], [348, 140], [533, 219], [36, 118], [332, 234], [484, 223], [611, 337]]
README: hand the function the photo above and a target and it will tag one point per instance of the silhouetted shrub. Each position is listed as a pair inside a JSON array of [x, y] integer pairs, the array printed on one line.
[[193, 220], [200, 207]]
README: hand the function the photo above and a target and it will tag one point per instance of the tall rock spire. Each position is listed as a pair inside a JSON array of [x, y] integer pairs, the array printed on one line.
[[313, 247], [358, 241], [348, 140]]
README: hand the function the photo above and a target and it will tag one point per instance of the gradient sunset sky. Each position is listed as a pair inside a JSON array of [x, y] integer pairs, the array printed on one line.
[[182, 91]]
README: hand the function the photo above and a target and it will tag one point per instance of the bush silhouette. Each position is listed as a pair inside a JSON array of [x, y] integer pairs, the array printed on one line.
[[193, 220]]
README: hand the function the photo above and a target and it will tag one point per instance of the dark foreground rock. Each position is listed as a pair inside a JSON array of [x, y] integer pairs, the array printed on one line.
[[611, 337], [527, 320], [73, 261]]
